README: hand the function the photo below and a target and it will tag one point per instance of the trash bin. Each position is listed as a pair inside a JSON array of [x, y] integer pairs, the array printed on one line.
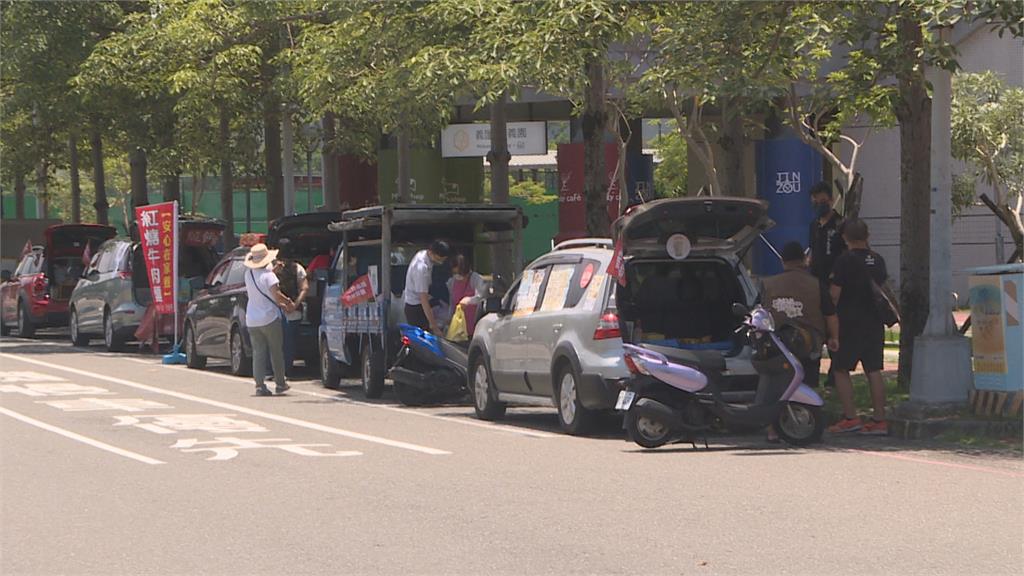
[[997, 309]]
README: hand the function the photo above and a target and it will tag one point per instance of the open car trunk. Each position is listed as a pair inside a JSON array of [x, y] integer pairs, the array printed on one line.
[[193, 262], [65, 245], [681, 304]]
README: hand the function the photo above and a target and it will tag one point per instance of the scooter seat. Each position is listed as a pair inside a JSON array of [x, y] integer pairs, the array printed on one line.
[[710, 362]]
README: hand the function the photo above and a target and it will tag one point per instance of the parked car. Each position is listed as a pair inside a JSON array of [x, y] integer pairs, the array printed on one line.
[[112, 297], [215, 317], [553, 339], [379, 242], [36, 294]]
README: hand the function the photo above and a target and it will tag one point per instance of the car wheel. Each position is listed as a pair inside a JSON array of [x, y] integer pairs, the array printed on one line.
[[574, 418], [26, 329], [192, 358], [330, 371], [800, 424], [646, 432], [241, 364], [110, 339], [481, 386], [77, 338], [373, 370]]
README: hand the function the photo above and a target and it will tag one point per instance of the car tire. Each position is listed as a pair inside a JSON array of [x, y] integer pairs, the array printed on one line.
[[572, 416], [805, 430], [372, 363], [192, 358], [26, 328], [77, 337], [645, 432], [330, 371], [111, 341], [241, 364], [482, 391]]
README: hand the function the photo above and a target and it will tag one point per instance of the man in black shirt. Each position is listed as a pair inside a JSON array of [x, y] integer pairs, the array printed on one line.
[[826, 237], [861, 330]]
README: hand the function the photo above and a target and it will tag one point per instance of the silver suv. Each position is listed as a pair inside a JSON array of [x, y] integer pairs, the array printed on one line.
[[553, 339]]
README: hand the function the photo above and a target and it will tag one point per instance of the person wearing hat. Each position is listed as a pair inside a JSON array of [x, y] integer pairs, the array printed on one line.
[[418, 311], [264, 317], [795, 297]]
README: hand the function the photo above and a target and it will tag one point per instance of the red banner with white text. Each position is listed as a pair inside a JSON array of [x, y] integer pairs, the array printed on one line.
[[157, 224], [361, 290]]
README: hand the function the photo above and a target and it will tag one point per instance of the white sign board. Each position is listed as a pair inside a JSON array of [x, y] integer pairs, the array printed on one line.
[[474, 140]]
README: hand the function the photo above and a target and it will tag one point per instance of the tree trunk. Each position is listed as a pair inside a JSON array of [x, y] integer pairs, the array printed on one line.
[[42, 191], [733, 144], [329, 175], [913, 110], [98, 179], [198, 187], [227, 184], [499, 155], [404, 167], [595, 119], [288, 162], [852, 197], [171, 187], [76, 184], [138, 164], [272, 157], [19, 196]]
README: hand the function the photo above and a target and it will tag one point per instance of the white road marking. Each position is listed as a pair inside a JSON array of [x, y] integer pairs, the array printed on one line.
[[237, 408], [495, 427], [80, 438], [485, 426]]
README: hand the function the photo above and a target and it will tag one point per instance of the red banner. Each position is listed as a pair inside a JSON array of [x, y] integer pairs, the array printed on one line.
[[617, 267], [200, 236], [157, 223], [360, 291]]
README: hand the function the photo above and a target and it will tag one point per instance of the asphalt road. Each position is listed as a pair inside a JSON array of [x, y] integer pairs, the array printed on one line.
[[115, 464]]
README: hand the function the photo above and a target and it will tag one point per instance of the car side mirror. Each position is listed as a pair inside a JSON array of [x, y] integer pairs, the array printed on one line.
[[5, 275], [740, 310], [492, 305]]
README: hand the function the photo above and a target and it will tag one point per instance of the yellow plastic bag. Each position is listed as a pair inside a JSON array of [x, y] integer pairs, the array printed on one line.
[[457, 331]]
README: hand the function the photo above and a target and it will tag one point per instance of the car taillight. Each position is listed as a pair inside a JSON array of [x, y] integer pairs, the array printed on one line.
[[607, 326], [40, 286]]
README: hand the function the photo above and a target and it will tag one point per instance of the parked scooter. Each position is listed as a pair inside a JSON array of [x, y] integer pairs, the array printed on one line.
[[667, 401], [429, 369]]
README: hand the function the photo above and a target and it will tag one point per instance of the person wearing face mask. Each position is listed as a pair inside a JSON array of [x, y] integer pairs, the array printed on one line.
[[416, 295], [465, 287], [826, 233]]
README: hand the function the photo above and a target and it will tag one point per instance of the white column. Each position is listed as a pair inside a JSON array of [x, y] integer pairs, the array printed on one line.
[[942, 357]]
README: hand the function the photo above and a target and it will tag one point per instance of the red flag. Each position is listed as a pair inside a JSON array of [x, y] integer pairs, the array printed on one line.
[[157, 234], [360, 291], [617, 267], [27, 249], [87, 254]]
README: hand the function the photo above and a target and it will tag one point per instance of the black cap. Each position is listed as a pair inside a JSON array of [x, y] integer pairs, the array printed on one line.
[[792, 252]]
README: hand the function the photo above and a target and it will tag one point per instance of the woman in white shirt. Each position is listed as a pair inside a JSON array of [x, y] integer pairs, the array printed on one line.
[[264, 318]]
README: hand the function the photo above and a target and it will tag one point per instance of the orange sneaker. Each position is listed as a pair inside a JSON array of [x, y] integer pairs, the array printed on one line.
[[875, 428], [845, 426]]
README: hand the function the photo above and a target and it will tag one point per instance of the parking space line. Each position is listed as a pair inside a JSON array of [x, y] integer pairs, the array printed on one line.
[[237, 408], [495, 427], [80, 438]]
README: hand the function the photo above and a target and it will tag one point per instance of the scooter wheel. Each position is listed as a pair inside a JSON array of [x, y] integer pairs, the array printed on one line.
[[646, 432], [800, 424]]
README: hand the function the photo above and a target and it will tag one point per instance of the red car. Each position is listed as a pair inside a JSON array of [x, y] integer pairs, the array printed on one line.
[[36, 294]]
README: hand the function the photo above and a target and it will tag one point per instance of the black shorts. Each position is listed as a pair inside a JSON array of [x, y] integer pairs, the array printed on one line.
[[861, 342], [415, 316]]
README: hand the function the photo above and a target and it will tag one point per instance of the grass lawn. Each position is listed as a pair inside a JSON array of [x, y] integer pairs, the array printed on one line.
[[862, 395]]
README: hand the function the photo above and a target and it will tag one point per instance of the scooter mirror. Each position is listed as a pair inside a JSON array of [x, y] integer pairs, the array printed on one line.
[[740, 310]]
